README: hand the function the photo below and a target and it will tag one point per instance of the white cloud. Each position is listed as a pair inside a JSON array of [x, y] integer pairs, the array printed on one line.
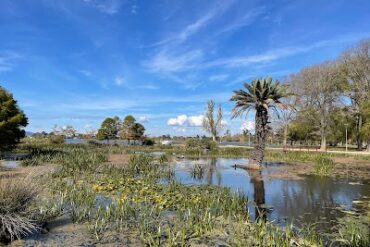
[[248, 125], [143, 119], [119, 80], [196, 121], [178, 121], [186, 121]]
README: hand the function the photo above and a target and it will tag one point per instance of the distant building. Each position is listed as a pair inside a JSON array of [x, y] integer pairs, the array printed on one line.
[[166, 142]]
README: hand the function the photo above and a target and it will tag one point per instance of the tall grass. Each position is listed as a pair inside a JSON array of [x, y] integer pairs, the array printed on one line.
[[16, 197], [323, 165]]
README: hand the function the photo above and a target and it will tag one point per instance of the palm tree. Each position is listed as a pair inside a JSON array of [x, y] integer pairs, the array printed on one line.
[[261, 95]]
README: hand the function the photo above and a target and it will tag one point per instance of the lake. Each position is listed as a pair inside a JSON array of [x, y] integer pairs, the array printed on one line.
[[312, 199]]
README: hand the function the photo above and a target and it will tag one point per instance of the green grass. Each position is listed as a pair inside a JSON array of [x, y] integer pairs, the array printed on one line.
[[323, 165]]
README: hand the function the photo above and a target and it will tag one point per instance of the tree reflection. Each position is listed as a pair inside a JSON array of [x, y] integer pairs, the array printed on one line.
[[259, 193], [212, 168]]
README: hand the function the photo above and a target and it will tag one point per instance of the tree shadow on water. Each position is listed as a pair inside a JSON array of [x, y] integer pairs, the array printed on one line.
[[258, 194]]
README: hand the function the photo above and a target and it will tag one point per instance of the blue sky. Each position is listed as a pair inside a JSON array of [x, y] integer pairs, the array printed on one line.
[[78, 61]]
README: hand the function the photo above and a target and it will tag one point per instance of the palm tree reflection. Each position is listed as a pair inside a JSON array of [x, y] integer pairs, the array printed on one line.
[[259, 194]]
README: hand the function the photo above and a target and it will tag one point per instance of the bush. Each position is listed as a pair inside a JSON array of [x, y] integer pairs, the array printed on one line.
[[148, 142], [94, 143], [16, 196], [323, 165], [56, 139], [197, 144]]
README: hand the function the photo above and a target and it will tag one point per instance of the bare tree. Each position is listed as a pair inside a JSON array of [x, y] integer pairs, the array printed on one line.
[[355, 64], [320, 87], [213, 124], [286, 115]]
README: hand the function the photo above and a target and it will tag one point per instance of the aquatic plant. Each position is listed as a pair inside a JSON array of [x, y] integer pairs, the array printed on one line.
[[353, 231], [323, 165], [197, 172]]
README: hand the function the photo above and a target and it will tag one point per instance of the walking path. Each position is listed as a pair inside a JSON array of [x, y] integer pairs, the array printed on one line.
[[303, 150]]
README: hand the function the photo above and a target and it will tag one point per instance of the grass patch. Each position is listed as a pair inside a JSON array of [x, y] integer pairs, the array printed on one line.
[[323, 165], [16, 197]]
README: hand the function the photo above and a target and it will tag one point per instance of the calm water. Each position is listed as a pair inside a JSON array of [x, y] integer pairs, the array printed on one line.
[[311, 199], [10, 164]]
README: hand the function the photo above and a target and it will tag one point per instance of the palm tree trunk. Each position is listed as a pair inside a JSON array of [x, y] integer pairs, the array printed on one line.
[[260, 138]]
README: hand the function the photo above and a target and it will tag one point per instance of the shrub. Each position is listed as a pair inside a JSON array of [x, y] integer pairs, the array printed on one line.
[[197, 144], [323, 165], [56, 139], [16, 196]]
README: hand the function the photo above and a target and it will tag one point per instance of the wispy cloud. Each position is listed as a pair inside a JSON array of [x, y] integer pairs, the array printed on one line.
[[165, 62], [245, 20], [110, 7], [194, 27], [218, 77], [119, 80], [7, 61], [275, 54], [85, 72]]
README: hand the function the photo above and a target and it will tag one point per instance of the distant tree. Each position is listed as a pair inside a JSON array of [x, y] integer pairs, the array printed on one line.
[[286, 115], [12, 120], [355, 65], [261, 95], [365, 129], [301, 127], [130, 129], [320, 87], [212, 124], [108, 129]]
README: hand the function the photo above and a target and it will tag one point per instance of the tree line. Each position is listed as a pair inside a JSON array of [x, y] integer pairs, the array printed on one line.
[[329, 98]]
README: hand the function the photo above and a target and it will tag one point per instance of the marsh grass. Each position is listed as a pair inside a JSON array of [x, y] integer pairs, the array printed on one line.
[[197, 171], [323, 165], [16, 214], [353, 231]]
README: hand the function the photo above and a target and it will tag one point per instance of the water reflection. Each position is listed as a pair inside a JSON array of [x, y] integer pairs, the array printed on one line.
[[258, 194], [311, 199]]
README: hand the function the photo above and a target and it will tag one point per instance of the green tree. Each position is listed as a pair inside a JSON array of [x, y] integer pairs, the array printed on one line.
[[320, 88], [355, 66], [109, 129], [301, 127], [131, 130], [365, 129], [12, 120], [261, 95]]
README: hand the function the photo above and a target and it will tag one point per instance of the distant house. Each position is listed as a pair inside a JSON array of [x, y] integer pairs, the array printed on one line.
[[166, 142]]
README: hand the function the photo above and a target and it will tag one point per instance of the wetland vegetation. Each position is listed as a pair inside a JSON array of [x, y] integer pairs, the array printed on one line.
[[142, 199]]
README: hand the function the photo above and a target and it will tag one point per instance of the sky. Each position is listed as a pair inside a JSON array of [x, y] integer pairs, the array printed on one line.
[[76, 62]]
